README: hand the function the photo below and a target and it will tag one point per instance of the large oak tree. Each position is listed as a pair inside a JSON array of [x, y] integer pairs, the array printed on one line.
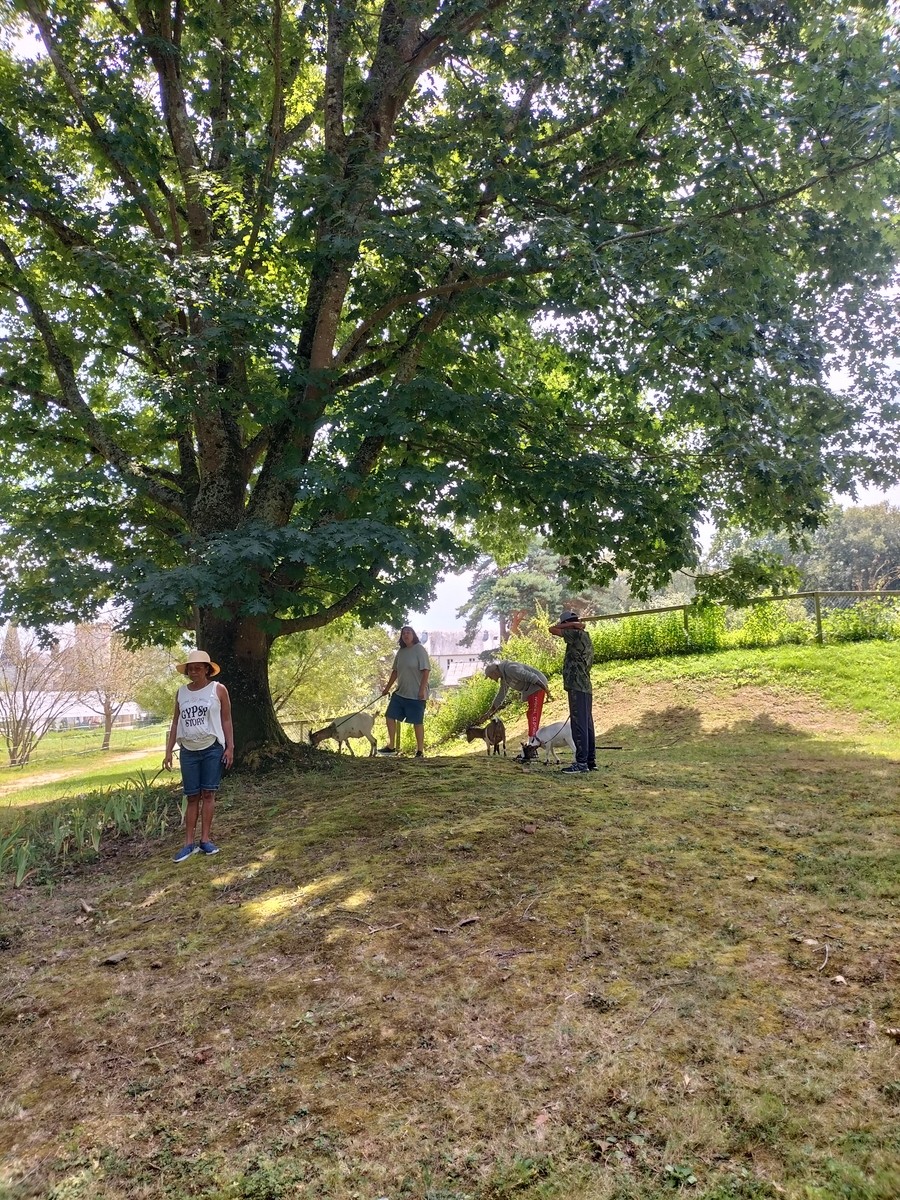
[[301, 298]]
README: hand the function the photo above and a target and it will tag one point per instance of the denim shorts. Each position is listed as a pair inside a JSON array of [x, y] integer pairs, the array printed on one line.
[[201, 770], [404, 708]]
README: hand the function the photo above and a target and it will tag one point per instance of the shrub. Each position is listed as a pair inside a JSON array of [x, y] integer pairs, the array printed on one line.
[[706, 628], [536, 646], [770, 624], [651, 636], [868, 619], [463, 706], [82, 824]]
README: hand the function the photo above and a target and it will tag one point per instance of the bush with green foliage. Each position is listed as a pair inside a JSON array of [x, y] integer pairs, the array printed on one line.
[[81, 824], [465, 705], [652, 636], [870, 619], [771, 624], [536, 646]]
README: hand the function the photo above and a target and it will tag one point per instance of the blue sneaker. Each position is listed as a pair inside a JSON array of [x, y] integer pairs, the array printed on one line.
[[185, 853], [208, 848], [575, 769]]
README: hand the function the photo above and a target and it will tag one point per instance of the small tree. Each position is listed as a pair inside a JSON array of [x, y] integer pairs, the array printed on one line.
[[106, 674], [324, 672], [155, 692], [35, 687]]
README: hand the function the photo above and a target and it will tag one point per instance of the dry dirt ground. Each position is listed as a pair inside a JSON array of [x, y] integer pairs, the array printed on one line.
[[459, 979]]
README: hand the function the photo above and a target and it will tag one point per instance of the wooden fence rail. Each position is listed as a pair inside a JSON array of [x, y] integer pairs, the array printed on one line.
[[686, 609]]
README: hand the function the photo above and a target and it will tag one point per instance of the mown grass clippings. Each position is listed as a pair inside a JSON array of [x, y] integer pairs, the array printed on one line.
[[315, 1012]]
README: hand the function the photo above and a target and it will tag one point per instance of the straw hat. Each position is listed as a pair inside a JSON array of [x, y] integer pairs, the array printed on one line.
[[197, 656]]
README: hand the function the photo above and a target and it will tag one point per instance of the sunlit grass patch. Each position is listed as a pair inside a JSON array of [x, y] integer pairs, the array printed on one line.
[[284, 901]]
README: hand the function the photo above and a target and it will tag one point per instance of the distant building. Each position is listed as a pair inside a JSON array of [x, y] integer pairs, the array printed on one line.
[[456, 661], [77, 715]]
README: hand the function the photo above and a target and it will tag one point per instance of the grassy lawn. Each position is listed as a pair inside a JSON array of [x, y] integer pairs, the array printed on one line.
[[67, 764], [459, 979], [63, 747]]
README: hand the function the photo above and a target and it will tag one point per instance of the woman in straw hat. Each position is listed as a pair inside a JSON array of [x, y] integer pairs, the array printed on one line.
[[202, 727]]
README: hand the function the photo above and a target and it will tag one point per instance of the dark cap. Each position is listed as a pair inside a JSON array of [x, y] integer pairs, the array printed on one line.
[[568, 616]]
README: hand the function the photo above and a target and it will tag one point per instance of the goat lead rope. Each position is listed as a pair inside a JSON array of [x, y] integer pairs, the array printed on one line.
[[343, 720]]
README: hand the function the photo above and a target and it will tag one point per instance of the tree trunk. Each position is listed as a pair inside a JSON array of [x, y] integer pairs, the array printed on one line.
[[241, 649], [107, 724]]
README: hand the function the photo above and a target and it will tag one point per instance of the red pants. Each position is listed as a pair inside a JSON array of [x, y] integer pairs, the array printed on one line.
[[535, 706]]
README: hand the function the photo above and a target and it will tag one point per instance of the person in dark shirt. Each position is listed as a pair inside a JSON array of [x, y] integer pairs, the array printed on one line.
[[577, 683]]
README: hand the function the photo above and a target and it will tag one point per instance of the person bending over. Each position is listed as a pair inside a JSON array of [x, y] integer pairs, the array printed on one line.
[[529, 682]]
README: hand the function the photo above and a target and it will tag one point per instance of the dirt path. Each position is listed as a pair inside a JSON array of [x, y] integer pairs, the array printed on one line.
[[69, 772]]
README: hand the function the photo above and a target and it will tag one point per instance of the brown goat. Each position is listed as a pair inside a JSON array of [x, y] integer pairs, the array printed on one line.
[[494, 735]]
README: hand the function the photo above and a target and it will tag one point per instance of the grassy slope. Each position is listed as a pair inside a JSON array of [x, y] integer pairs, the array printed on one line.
[[460, 979], [65, 764]]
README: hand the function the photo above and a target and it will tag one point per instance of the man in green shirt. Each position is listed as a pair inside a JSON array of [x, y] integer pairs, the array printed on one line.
[[577, 683]]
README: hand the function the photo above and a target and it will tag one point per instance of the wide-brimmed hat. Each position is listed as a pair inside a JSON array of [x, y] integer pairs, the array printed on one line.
[[197, 656]]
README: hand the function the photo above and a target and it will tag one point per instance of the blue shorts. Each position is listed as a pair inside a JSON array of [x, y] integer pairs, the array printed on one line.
[[403, 708], [201, 770]]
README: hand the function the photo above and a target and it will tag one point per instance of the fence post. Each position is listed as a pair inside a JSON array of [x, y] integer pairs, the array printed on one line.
[[819, 637], [684, 613]]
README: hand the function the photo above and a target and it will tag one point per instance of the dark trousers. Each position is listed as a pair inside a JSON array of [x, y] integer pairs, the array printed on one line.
[[581, 714]]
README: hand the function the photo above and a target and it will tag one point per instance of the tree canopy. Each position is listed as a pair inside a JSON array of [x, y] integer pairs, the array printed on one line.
[[857, 548], [303, 301], [536, 582]]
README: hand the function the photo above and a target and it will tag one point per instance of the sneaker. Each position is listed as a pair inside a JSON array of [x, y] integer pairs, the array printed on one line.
[[387, 750], [575, 769], [185, 853], [420, 754], [209, 848]]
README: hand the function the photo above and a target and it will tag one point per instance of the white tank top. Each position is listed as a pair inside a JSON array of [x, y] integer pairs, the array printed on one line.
[[200, 717]]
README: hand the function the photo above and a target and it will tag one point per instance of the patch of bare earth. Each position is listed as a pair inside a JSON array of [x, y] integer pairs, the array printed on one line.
[[91, 765], [462, 978]]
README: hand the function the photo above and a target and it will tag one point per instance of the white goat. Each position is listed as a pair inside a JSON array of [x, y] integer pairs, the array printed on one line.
[[548, 736], [357, 725]]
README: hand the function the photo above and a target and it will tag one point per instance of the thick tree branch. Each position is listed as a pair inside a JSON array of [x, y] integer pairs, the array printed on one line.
[[355, 344], [72, 400], [326, 615], [274, 132], [122, 17], [164, 53], [340, 17], [220, 149], [451, 24], [39, 15]]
